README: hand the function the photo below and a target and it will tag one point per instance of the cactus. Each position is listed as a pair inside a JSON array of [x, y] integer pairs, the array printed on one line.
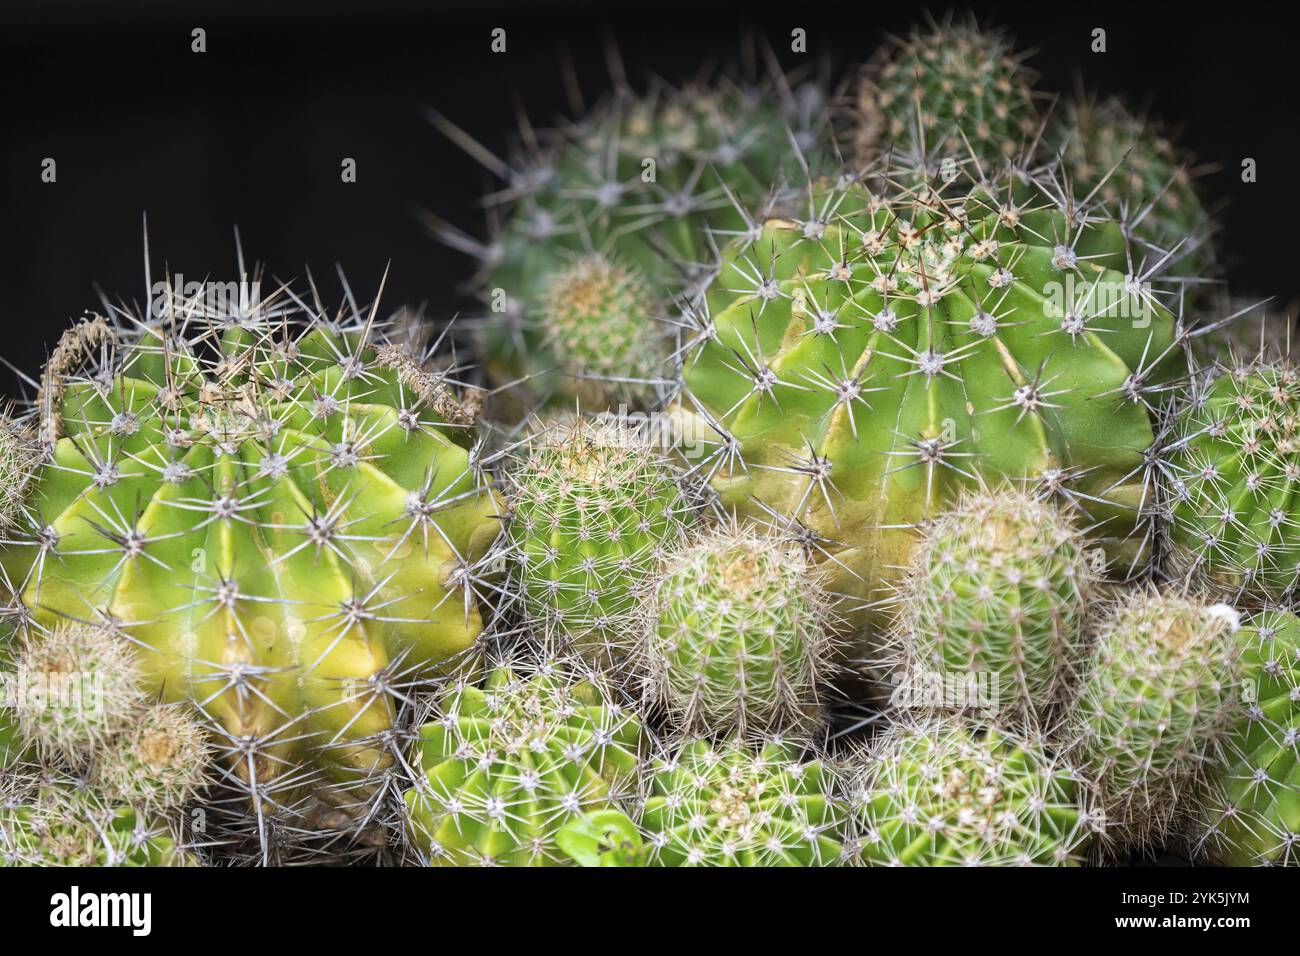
[[1231, 466], [936, 793], [996, 592], [948, 91], [734, 804], [1125, 163], [852, 371], [280, 510], [736, 638], [1251, 811], [638, 185], [1152, 713], [56, 824], [76, 685], [18, 457], [158, 764], [1236, 330], [593, 507], [502, 769]]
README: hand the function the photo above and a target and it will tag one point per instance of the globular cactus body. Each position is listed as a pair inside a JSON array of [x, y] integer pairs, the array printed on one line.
[[1251, 811], [996, 594], [1152, 713], [278, 511], [937, 793], [505, 767], [1232, 466], [594, 505], [855, 370], [736, 637]]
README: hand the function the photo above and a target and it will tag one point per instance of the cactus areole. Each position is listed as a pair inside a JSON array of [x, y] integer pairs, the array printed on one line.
[[280, 511]]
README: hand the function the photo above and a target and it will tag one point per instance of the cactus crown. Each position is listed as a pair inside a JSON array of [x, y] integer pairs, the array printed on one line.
[[737, 639], [935, 793], [997, 590], [503, 768], [161, 762], [1151, 714], [1231, 466], [593, 507]]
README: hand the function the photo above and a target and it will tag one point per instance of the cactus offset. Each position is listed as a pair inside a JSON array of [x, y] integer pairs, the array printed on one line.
[[1231, 469], [1251, 812], [502, 769], [736, 638], [1150, 718], [997, 592], [593, 507], [936, 793], [158, 764]]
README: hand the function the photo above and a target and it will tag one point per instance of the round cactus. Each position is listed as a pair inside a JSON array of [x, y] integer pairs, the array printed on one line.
[[853, 371], [597, 320], [730, 804], [503, 769], [948, 91], [76, 686], [281, 512], [995, 595], [935, 793], [1126, 164], [56, 824], [1232, 466], [161, 762], [1251, 813], [640, 182], [736, 638], [593, 507], [1152, 713]]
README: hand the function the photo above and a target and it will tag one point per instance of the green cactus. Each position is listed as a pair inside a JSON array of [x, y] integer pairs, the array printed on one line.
[[997, 592], [1151, 715], [736, 640], [1251, 812], [503, 769], [1125, 163], [948, 91], [281, 512], [160, 763], [936, 793], [76, 686], [733, 804], [1231, 466], [852, 371], [639, 183], [593, 507], [19, 455], [56, 824]]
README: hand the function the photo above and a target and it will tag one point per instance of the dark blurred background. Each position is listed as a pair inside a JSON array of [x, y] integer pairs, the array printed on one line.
[[253, 131]]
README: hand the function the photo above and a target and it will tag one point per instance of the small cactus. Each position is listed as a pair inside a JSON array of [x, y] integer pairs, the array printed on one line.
[[936, 793], [159, 763], [947, 91], [503, 768], [593, 507], [1251, 812], [1231, 472], [1159, 696], [596, 317], [19, 454], [736, 639], [77, 685], [735, 804], [996, 592]]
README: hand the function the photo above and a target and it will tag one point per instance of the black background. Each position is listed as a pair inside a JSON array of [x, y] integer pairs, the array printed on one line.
[[253, 131]]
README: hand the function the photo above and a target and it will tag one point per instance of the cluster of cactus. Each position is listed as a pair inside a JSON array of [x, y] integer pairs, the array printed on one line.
[[944, 412]]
